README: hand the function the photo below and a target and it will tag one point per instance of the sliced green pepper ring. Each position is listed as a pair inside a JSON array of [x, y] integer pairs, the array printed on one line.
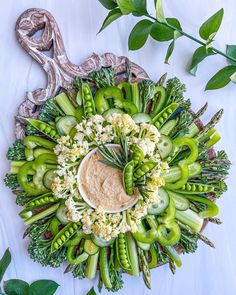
[[183, 165], [168, 233], [126, 87], [42, 164]]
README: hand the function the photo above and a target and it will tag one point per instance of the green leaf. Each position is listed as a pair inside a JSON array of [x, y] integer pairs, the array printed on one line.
[[231, 51], [161, 33], [45, 287], [126, 6], [139, 34], [221, 78], [159, 12], [140, 7], [91, 292], [212, 25], [108, 4], [199, 55], [16, 287], [4, 263], [171, 47], [112, 16]]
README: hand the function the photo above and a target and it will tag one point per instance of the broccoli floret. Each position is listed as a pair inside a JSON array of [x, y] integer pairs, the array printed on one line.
[[49, 111], [22, 197], [103, 78], [17, 151], [11, 181], [175, 88], [30, 130]]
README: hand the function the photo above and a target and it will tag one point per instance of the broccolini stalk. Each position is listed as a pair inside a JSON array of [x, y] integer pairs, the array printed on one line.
[[49, 111], [146, 92], [188, 241], [182, 127], [78, 271], [175, 90], [21, 197], [115, 275], [11, 181], [17, 151], [103, 78]]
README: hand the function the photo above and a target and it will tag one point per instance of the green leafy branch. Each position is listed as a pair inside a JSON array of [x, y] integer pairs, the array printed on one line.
[[163, 29], [19, 287]]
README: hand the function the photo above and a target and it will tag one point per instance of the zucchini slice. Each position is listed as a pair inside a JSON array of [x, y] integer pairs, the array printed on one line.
[[181, 203], [141, 118], [90, 247], [61, 214], [112, 111], [48, 178], [101, 242]]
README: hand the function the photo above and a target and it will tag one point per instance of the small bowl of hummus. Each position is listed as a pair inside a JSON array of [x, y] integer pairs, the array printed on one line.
[[101, 186]]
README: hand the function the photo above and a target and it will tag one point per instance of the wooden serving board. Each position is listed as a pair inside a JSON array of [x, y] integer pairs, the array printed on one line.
[[59, 70]]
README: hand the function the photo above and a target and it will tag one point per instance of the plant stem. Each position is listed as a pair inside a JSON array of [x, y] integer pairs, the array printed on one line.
[[191, 37]]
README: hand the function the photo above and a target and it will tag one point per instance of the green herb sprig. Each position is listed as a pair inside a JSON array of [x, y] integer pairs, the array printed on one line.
[[161, 29]]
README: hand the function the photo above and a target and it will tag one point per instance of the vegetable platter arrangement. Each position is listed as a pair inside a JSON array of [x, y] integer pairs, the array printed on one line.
[[117, 175]]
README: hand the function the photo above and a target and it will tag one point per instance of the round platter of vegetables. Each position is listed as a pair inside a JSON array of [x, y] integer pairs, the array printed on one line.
[[117, 176]]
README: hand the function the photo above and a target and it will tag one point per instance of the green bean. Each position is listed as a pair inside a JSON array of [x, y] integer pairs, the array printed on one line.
[[67, 232], [137, 155], [128, 178], [195, 188], [104, 268], [143, 169]]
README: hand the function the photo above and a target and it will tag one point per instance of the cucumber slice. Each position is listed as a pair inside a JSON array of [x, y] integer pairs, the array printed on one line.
[[65, 124], [48, 178], [112, 111], [141, 118], [168, 127], [158, 208], [164, 146], [181, 203], [101, 242], [90, 247], [61, 214]]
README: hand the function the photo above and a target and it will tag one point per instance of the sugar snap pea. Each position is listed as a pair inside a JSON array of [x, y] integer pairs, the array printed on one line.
[[128, 178], [104, 268], [42, 200], [164, 115], [64, 235], [143, 169], [122, 252], [88, 102], [137, 155], [45, 128], [195, 188]]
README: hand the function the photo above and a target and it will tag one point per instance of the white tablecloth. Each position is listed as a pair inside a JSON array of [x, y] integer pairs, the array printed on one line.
[[208, 271]]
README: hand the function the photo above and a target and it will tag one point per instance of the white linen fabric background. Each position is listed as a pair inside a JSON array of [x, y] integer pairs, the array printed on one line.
[[208, 271]]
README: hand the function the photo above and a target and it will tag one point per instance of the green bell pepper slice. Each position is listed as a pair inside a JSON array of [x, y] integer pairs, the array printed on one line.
[[40, 166], [126, 87], [113, 93], [183, 164]]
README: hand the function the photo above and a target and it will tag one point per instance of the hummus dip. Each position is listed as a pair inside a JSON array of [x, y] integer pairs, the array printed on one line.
[[102, 186]]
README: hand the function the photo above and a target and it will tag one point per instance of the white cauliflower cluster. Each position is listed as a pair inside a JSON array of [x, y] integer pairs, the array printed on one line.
[[70, 151]]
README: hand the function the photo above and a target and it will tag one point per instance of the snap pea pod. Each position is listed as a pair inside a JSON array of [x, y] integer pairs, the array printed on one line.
[[42, 200], [122, 252], [128, 178], [164, 115], [133, 255], [88, 102], [45, 128], [143, 169], [104, 268], [64, 235], [126, 88], [195, 188], [137, 155]]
